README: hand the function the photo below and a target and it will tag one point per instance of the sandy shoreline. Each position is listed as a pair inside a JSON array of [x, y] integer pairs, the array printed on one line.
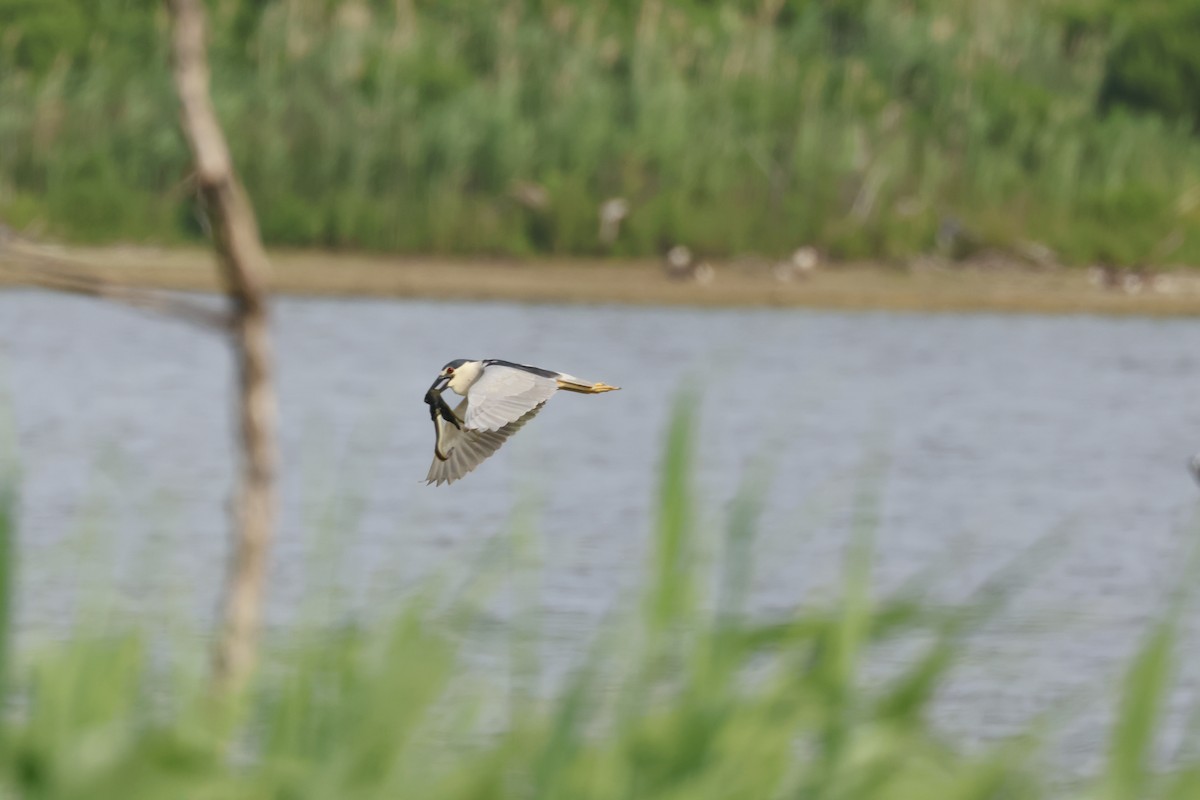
[[632, 282]]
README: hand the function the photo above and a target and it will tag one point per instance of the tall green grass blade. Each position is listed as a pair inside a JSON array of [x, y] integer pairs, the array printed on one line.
[[737, 558], [672, 592], [1130, 773]]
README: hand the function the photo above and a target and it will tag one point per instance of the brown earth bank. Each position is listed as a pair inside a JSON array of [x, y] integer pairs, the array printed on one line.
[[922, 286]]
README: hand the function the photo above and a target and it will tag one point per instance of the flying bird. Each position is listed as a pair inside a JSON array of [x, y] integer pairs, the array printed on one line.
[[499, 398]]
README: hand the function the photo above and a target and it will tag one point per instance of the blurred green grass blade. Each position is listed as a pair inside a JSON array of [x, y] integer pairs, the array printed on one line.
[[567, 726], [854, 622], [727, 641], [737, 557], [671, 588], [840, 646], [1183, 785], [913, 690], [910, 695], [1130, 771]]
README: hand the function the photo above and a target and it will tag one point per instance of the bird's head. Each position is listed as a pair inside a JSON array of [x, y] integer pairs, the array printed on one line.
[[458, 375]]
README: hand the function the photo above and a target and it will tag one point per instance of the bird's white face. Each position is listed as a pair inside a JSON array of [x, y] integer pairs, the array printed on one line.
[[458, 376]]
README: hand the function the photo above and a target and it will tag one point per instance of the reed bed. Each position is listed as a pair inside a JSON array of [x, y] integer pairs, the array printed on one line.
[[454, 127]]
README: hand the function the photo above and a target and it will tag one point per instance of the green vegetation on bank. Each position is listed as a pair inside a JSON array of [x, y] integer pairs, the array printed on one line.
[[688, 698], [751, 126]]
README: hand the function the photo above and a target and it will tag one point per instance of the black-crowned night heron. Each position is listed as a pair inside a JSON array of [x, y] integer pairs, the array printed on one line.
[[499, 398]]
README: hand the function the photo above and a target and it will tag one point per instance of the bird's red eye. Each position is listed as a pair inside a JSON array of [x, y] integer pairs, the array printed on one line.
[[449, 370]]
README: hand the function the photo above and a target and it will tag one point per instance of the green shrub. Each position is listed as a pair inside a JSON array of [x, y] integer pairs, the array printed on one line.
[[1155, 65], [39, 32]]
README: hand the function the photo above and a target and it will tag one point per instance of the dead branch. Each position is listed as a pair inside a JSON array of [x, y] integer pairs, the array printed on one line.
[[245, 270], [50, 272]]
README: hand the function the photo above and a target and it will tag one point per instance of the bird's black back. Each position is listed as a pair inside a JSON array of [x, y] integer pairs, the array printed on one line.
[[545, 373]]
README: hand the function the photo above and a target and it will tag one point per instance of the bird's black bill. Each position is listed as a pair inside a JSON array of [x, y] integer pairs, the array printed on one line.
[[438, 385]]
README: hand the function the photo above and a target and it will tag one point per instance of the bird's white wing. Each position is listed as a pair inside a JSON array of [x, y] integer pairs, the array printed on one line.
[[503, 395], [466, 449]]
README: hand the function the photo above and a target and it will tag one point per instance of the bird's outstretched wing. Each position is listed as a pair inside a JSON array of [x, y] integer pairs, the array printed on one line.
[[466, 449], [505, 394]]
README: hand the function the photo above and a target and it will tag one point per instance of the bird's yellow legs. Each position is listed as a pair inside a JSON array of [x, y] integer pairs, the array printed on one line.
[[586, 388]]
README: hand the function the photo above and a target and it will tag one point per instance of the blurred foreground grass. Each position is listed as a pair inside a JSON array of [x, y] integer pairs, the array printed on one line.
[[690, 698]]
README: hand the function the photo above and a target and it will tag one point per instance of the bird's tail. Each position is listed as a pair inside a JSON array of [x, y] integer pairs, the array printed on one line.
[[569, 383]]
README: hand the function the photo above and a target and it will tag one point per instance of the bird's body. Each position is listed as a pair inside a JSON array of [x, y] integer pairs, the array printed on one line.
[[500, 397]]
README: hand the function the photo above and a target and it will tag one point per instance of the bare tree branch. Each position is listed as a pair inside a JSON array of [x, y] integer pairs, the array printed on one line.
[[50, 272], [245, 270]]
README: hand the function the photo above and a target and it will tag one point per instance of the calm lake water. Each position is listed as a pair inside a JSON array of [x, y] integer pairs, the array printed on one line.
[[986, 434]]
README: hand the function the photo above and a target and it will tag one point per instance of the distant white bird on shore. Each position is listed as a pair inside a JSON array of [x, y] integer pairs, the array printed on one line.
[[803, 263], [500, 397], [612, 213], [681, 264]]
